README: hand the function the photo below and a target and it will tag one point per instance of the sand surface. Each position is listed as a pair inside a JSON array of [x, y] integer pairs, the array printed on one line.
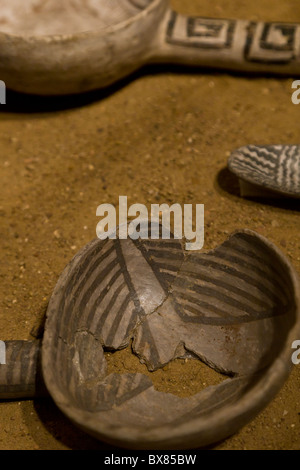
[[161, 136]]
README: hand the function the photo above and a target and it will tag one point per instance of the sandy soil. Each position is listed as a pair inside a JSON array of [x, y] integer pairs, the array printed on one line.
[[162, 136]]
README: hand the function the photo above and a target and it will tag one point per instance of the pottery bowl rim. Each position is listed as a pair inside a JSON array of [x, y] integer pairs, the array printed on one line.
[[96, 33]]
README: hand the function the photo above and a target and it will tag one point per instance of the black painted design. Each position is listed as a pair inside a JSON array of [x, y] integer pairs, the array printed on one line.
[[20, 376], [271, 42], [157, 295], [199, 32], [271, 167]]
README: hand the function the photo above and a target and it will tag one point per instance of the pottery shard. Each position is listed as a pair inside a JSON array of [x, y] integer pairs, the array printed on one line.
[[129, 398], [225, 306], [120, 283]]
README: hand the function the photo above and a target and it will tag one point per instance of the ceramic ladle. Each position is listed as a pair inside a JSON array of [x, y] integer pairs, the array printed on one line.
[[236, 308], [128, 34]]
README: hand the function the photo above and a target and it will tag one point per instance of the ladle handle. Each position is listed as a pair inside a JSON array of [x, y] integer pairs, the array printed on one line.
[[20, 370], [230, 44]]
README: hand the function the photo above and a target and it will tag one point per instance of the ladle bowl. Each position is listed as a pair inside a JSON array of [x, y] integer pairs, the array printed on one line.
[[235, 308]]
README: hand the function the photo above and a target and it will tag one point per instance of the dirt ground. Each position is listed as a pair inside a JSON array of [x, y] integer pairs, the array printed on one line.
[[163, 135]]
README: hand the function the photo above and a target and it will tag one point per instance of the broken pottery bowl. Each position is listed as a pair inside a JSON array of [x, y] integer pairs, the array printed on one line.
[[267, 170], [236, 308]]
